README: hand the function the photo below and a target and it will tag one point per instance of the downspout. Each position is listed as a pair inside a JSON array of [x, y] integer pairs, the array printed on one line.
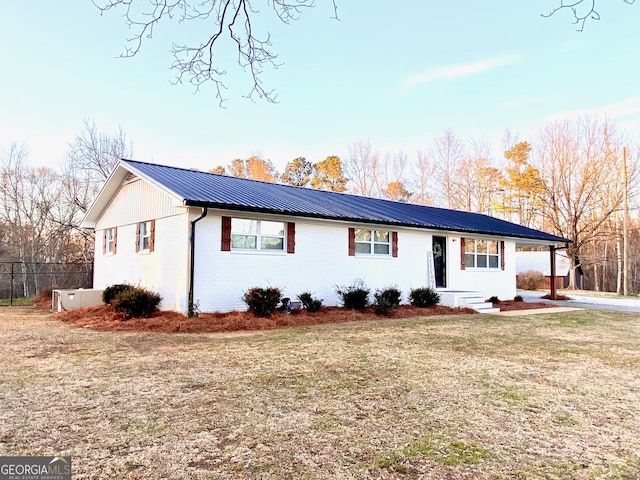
[[553, 294], [192, 263]]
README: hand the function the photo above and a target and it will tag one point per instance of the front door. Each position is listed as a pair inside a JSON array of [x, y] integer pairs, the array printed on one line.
[[439, 249]]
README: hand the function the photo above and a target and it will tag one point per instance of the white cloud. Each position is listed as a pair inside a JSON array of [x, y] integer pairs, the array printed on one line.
[[629, 107], [455, 71]]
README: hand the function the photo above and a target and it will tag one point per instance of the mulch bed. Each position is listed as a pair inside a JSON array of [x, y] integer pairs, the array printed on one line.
[[105, 318], [508, 305]]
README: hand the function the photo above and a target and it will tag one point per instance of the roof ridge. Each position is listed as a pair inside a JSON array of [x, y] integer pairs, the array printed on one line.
[[286, 185]]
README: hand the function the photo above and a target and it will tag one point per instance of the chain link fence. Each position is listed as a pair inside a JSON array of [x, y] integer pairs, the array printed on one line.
[[28, 279]]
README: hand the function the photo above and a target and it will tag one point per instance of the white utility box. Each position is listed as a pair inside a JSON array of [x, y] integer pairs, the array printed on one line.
[[63, 300]]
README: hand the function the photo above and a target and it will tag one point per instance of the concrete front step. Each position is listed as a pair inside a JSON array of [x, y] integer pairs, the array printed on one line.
[[469, 299], [484, 307]]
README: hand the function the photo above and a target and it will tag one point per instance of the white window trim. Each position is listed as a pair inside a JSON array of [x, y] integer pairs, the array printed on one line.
[[372, 243], [487, 255], [110, 241], [258, 235], [147, 235]]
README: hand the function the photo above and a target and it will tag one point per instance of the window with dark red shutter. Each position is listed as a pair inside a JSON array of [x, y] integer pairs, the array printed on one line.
[[291, 237], [225, 245], [352, 242]]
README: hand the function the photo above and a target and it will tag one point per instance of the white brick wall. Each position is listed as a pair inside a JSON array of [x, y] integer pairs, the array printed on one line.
[[501, 283], [165, 269], [320, 262]]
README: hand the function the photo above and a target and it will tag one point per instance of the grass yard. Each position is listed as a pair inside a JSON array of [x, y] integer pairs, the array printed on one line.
[[552, 395]]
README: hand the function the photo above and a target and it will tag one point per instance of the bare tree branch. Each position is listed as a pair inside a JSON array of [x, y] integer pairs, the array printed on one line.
[[582, 10], [199, 63]]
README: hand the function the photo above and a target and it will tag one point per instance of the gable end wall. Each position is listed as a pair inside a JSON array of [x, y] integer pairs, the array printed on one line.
[[165, 269]]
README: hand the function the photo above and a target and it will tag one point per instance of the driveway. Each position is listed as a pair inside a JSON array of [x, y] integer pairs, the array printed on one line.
[[583, 300]]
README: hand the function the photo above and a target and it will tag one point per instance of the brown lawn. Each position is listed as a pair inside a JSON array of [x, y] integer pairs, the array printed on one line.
[[551, 395]]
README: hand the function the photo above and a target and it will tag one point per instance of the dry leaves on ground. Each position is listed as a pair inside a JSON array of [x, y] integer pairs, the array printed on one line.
[[106, 318], [455, 396]]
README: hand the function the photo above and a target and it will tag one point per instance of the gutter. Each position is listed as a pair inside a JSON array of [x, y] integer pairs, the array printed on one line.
[[386, 222], [192, 262]]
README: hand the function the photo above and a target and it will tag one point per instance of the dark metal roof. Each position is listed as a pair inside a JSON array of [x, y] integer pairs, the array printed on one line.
[[203, 189]]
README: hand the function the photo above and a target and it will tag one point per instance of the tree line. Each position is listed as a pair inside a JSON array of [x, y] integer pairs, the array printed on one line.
[[41, 207], [570, 179]]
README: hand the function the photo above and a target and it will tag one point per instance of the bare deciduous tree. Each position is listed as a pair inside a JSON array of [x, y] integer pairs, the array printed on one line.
[[237, 23], [234, 21], [36, 215], [448, 151], [392, 176], [362, 168], [582, 10], [422, 179], [97, 153], [91, 158], [486, 176], [579, 164]]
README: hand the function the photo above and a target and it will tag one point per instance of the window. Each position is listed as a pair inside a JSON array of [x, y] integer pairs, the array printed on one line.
[[363, 241], [372, 241], [145, 236], [109, 241], [482, 253], [248, 234]]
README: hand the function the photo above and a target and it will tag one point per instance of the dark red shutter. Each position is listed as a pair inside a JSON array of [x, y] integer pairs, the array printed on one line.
[[352, 242], [225, 245], [394, 244], [138, 238], [152, 236], [462, 260], [291, 237], [104, 242], [115, 240], [502, 254]]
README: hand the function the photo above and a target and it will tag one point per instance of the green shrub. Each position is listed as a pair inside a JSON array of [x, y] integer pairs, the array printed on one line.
[[386, 300], [518, 298], [354, 296], [262, 302], [530, 280], [136, 302], [113, 291], [310, 304], [423, 297], [494, 300]]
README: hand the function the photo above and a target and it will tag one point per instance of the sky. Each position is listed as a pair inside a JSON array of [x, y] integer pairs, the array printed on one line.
[[396, 77]]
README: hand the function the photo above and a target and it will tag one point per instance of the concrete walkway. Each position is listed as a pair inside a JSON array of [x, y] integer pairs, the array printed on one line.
[[533, 311], [584, 300]]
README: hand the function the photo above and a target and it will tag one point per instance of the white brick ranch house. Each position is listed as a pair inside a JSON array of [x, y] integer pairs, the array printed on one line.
[[198, 237]]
